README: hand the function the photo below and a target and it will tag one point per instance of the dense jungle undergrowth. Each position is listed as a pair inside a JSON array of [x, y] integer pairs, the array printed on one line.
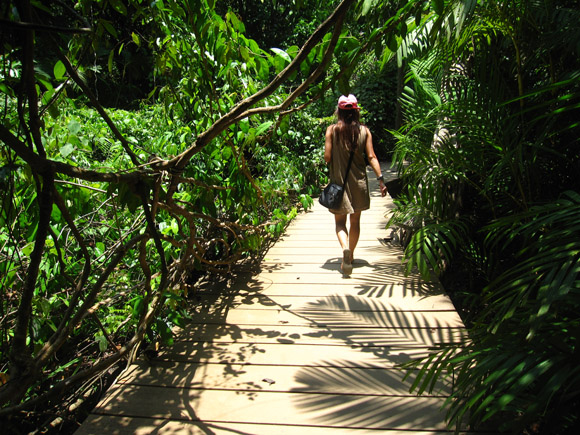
[[144, 144]]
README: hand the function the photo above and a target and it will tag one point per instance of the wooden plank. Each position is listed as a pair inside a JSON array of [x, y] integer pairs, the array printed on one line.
[[330, 244], [115, 425], [369, 253], [387, 278], [413, 291], [274, 378], [328, 258], [337, 319], [322, 334], [320, 214], [361, 267], [288, 334], [282, 296], [399, 349], [316, 410]]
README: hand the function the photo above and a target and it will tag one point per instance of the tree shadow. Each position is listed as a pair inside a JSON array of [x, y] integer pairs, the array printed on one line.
[[173, 378], [214, 354], [393, 337]]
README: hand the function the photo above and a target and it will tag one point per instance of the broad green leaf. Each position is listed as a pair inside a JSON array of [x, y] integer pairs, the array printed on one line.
[[128, 198], [109, 28], [55, 216], [305, 66], [438, 6], [226, 153], [244, 125], [46, 97], [138, 306], [45, 81], [392, 42], [66, 150], [292, 51], [59, 70], [119, 6], [402, 29], [263, 127], [100, 248], [27, 249], [237, 25], [244, 53], [418, 17], [367, 5], [136, 39], [110, 61], [164, 331], [102, 341], [6, 89], [282, 53], [74, 127]]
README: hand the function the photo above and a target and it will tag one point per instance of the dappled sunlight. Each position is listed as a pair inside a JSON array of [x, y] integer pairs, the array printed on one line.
[[375, 326], [379, 285], [377, 412], [293, 343], [346, 377]]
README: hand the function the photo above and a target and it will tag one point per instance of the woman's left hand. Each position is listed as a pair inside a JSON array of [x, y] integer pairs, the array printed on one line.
[[383, 188]]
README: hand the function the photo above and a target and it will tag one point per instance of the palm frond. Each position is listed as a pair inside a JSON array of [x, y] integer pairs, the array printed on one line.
[[434, 245], [491, 138], [547, 266]]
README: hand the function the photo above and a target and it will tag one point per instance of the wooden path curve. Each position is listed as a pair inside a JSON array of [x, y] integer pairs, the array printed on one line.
[[295, 348]]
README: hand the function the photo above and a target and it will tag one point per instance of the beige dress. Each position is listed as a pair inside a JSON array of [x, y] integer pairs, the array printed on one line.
[[356, 191]]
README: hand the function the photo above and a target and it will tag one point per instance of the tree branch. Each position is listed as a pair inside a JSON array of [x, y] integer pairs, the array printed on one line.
[[143, 194], [58, 340], [20, 25], [306, 83], [42, 165], [28, 79], [20, 358], [178, 163], [49, 348], [99, 367]]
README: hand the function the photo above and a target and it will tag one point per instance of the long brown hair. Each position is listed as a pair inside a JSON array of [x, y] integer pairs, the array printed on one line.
[[348, 126]]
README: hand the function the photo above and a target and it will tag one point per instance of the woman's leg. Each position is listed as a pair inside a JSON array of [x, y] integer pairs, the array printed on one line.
[[342, 234], [341, 231], [354, 233]]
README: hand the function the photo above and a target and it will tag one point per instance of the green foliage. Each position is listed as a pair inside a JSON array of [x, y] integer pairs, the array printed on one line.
[[278, 24], [297, 153], [520, 358], [376, 89], [491, 136], [110, 216]]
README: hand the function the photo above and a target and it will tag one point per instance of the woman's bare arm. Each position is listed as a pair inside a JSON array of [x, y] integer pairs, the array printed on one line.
[[374, 162], [328, 144]]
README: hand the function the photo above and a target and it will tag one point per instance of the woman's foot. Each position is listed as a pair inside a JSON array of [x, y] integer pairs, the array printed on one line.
[[346, 265]]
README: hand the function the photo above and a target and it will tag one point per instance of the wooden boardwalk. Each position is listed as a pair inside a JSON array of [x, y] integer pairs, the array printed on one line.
[[295, 348]]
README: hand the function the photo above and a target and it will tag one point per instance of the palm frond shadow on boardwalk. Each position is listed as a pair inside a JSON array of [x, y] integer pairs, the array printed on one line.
[[295, 347]]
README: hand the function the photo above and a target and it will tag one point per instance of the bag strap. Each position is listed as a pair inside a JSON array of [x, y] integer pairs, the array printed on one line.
[[348, 168]]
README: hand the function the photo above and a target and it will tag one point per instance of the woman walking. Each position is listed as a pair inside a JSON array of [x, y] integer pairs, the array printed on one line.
[[342, 138]]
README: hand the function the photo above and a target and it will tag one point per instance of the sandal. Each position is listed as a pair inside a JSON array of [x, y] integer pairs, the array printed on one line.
[[346, 265]]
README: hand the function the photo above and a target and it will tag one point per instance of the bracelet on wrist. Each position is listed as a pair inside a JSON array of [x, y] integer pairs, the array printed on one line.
[[380, 178]]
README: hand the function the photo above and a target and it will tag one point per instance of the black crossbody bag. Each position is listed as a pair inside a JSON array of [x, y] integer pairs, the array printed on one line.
[[331, 196]]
